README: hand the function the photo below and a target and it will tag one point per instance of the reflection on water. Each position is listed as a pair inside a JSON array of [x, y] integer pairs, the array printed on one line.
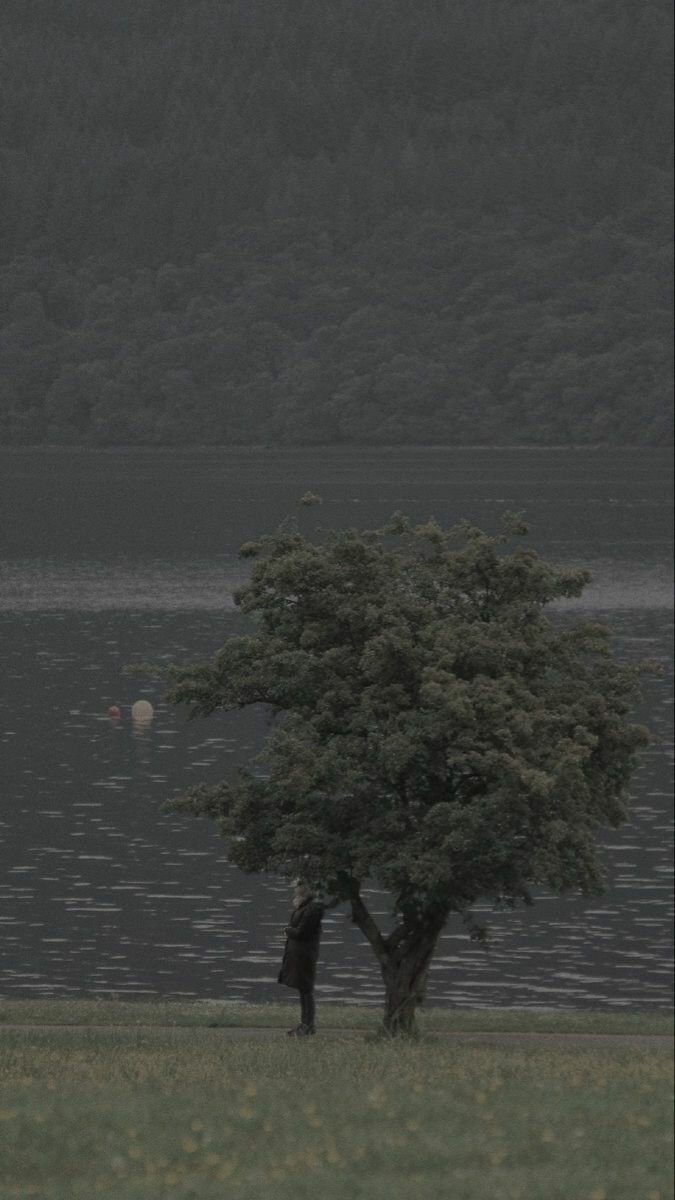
[[102, 893], [42, 585], [199, 586]]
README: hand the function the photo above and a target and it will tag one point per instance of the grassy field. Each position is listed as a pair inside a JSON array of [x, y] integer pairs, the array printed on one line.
[[335, 1016], [87, 1113]]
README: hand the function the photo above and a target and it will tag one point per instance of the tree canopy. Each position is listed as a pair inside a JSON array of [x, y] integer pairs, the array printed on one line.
[[329, 221], [433, 729]]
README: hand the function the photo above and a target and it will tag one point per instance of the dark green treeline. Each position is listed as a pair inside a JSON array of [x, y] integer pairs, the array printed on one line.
[[306, 221]]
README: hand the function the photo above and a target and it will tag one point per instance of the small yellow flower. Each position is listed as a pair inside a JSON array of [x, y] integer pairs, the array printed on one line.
[[332, 1156], [171, 1177], [412, 1126], [599, 1194], [250, 1090], [135, 1152], [7, 1114], [246, 1112], [196, 1126], [548, 1135], [497, 1157], [226, 1170], [190, 1145], [481, 1098], [132, 1133], [654, 1196], [643, 1121]]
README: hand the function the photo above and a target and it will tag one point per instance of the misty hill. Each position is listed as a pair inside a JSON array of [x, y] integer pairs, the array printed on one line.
[[244, 221]]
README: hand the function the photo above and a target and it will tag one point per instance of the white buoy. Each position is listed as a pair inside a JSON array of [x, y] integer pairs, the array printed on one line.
[[142, 711]]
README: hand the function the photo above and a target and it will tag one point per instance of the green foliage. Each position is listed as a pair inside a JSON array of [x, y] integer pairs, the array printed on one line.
[[231, 223], [432, 728]]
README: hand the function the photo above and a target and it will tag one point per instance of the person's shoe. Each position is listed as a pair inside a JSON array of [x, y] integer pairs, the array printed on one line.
[[294, 1032], [302, 1031]]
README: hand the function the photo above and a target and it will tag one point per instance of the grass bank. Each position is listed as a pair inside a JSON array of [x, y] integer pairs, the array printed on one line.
[[84, 1114], [335, 1016]]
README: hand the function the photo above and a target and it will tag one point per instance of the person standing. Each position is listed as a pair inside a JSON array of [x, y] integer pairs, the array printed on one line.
[[298, 966]]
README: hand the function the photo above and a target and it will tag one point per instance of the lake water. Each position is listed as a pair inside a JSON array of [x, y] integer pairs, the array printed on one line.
[[109, 558]]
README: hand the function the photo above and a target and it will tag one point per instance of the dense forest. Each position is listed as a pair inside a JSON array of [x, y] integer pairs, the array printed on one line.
[[335, 221]]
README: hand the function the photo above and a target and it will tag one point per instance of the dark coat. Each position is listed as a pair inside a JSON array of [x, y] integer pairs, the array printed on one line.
[[301, 952]]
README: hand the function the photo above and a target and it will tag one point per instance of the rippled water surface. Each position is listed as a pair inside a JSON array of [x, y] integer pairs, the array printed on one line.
[[113, 558]]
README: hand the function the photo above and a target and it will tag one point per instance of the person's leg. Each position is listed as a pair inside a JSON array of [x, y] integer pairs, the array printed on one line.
[[308, 1008], [302, 1015], [307, 1014]]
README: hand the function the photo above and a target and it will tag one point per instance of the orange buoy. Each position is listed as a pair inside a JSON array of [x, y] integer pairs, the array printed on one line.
[[114, 712]]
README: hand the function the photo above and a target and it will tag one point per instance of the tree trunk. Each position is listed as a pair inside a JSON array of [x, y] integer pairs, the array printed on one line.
[[404, 959], [405, 981]]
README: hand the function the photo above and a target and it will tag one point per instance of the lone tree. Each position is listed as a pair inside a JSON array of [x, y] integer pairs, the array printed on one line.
[[433, 730]]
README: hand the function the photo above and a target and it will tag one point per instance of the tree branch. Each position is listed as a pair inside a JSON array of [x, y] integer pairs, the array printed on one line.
[[366, 924], [406, 934]]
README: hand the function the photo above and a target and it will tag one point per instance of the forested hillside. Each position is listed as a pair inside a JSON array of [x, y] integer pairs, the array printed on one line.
[[309, 221]]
